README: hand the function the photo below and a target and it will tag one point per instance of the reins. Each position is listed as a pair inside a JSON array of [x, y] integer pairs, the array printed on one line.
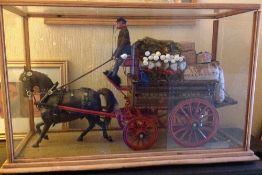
[[54, 87], [92, 70]]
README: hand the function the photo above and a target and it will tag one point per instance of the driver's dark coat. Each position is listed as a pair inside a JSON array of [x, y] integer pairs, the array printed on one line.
[[123, 43]]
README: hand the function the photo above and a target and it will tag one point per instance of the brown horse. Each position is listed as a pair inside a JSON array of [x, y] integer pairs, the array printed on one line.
[[83, 98]]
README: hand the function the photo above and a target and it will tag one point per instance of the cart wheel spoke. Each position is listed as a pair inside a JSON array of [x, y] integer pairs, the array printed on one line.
[[202, 133], [178, 127], [205, 108], [195, 136], [181, 119], [135, 139], [197, 107], [185, 114], [184, 134], [190, 109], [207, 129]]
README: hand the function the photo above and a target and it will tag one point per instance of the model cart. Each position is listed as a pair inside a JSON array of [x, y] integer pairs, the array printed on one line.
[[156, 98]]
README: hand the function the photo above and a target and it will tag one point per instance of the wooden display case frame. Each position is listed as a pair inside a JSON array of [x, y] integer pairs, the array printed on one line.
[[138, 159]]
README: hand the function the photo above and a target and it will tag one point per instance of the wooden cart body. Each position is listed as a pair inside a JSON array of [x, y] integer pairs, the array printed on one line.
[[166, 94]]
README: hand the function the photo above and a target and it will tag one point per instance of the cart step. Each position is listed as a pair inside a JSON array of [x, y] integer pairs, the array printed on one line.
[[120, 88]]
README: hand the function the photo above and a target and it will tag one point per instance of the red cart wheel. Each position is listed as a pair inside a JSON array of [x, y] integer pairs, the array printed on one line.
[[193, 122], [140, 133]]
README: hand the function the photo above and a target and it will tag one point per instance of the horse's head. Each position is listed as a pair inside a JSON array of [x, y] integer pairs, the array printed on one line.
[[31, 79], [26, 79]]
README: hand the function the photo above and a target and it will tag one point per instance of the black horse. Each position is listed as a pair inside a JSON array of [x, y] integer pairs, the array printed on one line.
[[83, 98]]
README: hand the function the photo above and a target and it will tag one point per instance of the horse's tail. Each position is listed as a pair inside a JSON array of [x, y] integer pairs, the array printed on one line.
[[111, 101]]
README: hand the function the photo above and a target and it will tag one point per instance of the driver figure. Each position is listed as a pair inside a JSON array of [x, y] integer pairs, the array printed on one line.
[[123, 49]]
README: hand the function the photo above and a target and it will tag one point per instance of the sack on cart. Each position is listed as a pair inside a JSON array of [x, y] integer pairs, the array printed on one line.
[[209, 71]]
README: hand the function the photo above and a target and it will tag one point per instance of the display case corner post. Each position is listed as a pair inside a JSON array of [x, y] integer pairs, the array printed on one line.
[[215, 39], [252, 77], [28, 65], [26, 42], [5, 92]]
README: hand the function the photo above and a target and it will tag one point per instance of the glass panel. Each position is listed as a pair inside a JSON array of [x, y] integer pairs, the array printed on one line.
[[14, 51], [2, 131], [2, 122], [234, 56], [171, 96]]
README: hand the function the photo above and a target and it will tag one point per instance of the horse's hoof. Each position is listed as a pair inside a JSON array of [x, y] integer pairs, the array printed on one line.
[[46, 137], [109, 138], [80, 139], [35, 145]]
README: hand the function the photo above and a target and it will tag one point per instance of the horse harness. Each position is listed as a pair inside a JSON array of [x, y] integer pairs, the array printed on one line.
[[49, 92], [55, 111]]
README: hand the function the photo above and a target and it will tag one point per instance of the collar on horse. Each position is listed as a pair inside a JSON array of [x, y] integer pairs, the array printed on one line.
[[49, 92]]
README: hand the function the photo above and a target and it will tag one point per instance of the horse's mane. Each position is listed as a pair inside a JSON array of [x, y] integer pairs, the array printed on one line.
[[42, 79], [41, 75]]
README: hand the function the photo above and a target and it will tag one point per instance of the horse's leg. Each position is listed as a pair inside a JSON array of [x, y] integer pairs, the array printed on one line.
[[42, 135], [38, 125], [90, 127], [105, 134], [38, 129]]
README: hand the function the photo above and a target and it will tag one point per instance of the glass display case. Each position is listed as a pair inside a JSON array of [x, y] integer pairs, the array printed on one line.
[[103, 85]]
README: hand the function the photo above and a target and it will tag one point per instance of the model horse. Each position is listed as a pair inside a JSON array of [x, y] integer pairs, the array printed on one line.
[[83, 98]]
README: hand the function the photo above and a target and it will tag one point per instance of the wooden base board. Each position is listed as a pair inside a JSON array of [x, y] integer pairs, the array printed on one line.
[[122, 158], [74, 164], [16, 136]]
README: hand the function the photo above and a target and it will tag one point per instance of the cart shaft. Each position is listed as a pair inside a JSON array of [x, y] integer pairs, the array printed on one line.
[[85, 111]]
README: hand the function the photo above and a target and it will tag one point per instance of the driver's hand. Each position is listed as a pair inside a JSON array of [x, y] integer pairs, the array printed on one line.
[[113, 57]]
